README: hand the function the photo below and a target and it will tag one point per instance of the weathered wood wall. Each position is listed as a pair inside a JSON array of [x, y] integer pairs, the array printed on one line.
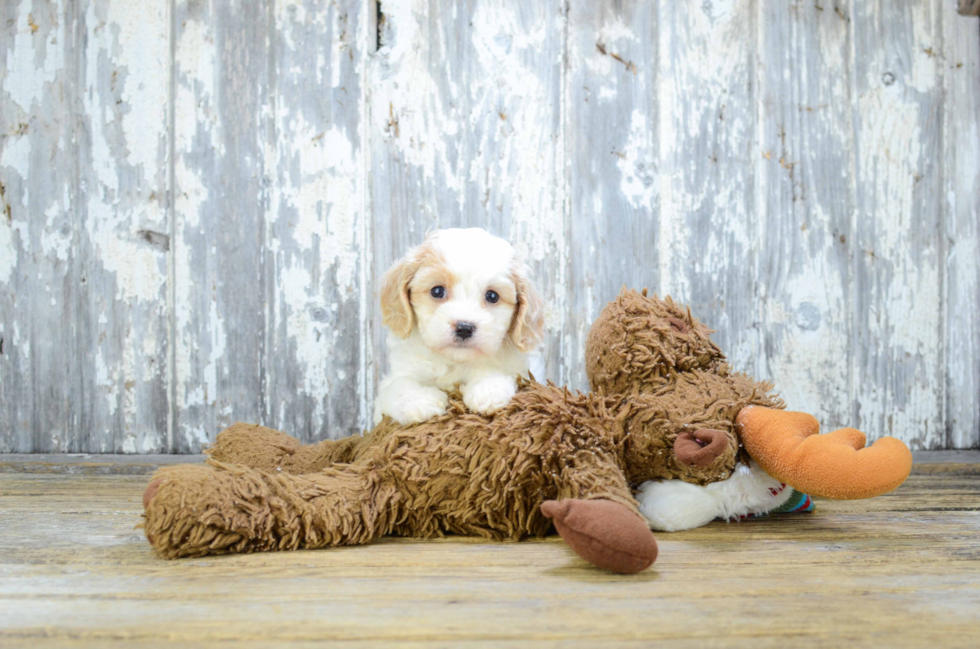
[[199, 195]]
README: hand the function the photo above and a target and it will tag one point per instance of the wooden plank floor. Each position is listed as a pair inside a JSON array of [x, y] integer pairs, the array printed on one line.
[[901, 570]]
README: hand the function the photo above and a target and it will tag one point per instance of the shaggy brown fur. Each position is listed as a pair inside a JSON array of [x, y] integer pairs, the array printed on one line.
[[638, 344], [665, 404], [466, 473]]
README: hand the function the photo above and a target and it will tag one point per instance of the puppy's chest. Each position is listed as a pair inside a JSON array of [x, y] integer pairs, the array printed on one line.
[[449, 376]]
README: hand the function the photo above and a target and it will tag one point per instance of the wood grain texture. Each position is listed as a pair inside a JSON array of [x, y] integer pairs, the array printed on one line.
[[38, 227], [122, 240], [961, 168], [805, 205], [222, 132], [117, 464], [316, 221], [897, 336], [198, 198], [900, 570], [708, 151], [613, 162]]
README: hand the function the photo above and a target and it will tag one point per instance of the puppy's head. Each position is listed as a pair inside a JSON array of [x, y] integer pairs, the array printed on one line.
[[466, 293]]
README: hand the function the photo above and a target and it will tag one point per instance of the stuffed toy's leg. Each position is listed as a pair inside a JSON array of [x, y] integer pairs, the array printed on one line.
[[674, 505], [835, 465], [597, 517], [787, 450], [196, 510], [264, 448]]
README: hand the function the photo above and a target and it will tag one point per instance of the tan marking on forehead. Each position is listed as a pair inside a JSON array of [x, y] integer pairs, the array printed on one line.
[[432, 270], [506, 291]]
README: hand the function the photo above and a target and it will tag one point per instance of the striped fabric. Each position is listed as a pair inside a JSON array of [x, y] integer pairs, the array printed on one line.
[[798, 503]]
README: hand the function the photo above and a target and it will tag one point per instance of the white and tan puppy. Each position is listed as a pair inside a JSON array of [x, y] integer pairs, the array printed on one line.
[[462, 312]]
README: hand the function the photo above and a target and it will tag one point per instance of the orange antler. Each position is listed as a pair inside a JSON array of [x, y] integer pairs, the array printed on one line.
[[835, 465]]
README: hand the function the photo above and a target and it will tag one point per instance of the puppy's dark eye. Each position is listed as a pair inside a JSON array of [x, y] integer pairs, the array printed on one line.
[[438, 292], [492, 297]]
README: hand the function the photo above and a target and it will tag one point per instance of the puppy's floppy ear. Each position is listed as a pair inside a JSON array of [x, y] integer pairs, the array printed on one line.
[[527, 327], [396, 303]]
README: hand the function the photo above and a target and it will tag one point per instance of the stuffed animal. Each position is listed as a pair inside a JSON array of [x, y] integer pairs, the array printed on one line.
[[664, 405], [621, 357]]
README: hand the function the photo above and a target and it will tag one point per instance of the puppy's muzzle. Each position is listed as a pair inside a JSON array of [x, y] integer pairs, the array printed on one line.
[[464, 330]]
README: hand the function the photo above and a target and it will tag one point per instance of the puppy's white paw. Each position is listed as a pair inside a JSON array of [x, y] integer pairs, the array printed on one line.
[[489, 394], [674, 505], [421, 405]]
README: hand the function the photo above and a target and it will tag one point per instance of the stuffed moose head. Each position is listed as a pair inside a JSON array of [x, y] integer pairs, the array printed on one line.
[[664, 405]]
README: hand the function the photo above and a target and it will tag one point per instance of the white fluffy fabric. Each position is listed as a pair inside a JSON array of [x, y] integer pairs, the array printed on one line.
[[674, 505]]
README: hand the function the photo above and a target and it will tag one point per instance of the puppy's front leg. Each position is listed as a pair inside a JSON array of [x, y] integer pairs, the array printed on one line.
[[409, 402], [489, 392]]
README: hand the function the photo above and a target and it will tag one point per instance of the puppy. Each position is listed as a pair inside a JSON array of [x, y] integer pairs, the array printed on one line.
[[461, 311]]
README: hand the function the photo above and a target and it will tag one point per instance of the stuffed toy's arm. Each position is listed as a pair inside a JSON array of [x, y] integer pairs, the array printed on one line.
[[270, 450], [595, 513], [835, 465], [194, 510]]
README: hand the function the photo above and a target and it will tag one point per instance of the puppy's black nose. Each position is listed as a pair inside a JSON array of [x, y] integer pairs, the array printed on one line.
[[464, 330]]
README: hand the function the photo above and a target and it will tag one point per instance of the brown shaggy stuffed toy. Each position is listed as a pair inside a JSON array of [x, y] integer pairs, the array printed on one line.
[[664, 405]]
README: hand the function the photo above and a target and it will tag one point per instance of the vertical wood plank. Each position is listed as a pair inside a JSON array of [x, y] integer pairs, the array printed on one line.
[[806, 204], [37, 227], [222, 134], [612, 152], [465, 130], [898, 326], [708, 153], [806, 175], [961, 160], [122, 237], [314, 377]]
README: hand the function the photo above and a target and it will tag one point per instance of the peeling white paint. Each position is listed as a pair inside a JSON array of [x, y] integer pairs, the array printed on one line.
[[402, 121], [16, 155], [898, 267], [31, 69], [475, 116], [56, 243], [961, 278], [325, 197], [219, 340], [8, 252], [307, 334], [105, 383], [638, 181]]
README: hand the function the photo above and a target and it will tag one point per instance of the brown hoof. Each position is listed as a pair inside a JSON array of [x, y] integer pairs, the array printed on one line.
[[604, 533], [700, 448], [151, 490]]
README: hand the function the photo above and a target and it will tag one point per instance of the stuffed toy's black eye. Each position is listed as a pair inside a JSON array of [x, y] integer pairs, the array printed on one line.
[[438, 292], [492, 297]]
